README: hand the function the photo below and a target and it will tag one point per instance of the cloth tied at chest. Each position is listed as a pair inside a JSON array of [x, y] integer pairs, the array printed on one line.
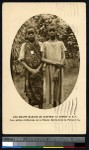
[[32, 54]]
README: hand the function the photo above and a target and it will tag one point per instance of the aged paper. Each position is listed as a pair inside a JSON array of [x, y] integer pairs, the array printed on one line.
[[20, 118]]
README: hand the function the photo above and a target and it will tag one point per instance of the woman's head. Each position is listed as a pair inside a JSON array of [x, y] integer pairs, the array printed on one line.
[[52, 31], [31, 33]]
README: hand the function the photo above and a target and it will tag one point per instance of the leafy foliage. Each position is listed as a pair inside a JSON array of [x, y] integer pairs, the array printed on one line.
[[42, 22]]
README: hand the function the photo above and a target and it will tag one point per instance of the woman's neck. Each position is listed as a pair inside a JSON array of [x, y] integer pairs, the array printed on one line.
[[31, 41], [52, 40]]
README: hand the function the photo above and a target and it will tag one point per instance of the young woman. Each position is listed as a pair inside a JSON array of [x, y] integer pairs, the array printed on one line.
[[53, 57], [30, 57]]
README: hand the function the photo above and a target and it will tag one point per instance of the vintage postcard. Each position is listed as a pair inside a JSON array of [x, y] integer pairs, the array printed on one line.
[[44, 68]]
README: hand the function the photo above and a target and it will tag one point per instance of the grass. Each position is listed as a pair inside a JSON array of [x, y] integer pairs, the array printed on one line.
[[69, 83]]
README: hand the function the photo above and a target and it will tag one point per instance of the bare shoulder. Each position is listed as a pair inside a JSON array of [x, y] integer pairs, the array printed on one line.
[[46, 42], [23, 44], [40, 43]]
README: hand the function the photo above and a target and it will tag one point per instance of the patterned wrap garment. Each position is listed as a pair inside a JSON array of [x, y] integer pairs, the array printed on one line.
[[33, 84]]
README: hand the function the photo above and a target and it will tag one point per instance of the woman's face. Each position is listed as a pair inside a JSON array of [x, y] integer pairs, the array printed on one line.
[[31, 34], [52, 32]]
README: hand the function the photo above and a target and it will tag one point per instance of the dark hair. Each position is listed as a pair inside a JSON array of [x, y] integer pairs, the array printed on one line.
[[51, 27], [31, 27]]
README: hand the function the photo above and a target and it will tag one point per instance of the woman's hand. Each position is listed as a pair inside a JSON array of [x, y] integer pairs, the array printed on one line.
[[34, 71], [59, 64]]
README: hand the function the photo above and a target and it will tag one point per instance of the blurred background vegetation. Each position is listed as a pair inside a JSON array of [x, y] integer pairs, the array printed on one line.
[[64, 33]]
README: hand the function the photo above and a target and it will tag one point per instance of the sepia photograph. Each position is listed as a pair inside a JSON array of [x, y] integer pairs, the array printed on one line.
[[44, 68], [45, 61]]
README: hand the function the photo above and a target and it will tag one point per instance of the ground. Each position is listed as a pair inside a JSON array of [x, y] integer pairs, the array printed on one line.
[[69, 83]]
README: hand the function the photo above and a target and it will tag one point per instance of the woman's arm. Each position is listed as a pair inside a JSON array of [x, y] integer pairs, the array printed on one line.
[[63, 50], [50, 62], [40, 66], [34, 71], [63, 57]]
